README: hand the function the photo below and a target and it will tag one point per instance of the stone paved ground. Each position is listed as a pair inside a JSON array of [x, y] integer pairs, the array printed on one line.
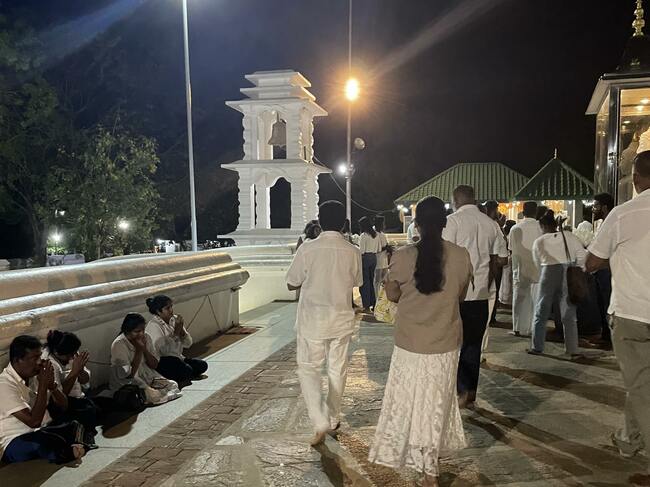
[[539, 421]]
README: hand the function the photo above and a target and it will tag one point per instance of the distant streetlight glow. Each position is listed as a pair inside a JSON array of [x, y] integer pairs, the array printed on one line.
[[123, 225], [352, 89], [56, 237], [342, 169]]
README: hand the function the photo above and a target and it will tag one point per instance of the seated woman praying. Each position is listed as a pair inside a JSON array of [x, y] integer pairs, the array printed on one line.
[[133, 363], [73, 378], [169, 337]]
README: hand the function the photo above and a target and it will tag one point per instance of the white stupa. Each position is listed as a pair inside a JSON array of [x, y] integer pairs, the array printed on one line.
[[278, 98]]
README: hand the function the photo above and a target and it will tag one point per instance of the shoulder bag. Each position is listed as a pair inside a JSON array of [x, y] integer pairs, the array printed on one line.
[[575, 277]]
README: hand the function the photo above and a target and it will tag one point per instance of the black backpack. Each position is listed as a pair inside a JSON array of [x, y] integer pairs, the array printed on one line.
[[130, 398]]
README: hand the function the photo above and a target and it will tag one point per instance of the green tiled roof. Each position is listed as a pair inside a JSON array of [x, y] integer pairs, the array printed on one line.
[[556, 181], [490, 180]]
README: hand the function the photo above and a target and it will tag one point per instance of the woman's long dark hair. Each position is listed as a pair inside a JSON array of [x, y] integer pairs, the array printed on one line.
[[431, 218], [63, 342], [366, 226]]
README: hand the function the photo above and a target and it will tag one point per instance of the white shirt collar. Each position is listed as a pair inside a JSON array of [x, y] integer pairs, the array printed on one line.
[[11, 372], [467, 207], [330, 233]]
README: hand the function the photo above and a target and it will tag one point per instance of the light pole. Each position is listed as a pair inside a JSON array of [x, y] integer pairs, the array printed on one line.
[[351, 94], [190, 142]]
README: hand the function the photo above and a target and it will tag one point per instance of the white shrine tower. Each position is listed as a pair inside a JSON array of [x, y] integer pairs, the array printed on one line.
[[279, 111]]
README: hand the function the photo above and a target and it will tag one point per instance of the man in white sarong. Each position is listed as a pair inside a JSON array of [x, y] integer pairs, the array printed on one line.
[[325, 270], [525, 273]]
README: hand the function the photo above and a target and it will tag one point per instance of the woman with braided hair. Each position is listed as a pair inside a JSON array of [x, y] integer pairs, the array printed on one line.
[[420, 420]]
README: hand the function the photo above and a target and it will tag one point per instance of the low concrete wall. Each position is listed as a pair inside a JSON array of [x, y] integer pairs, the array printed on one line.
[[266, 264], [92, 299]]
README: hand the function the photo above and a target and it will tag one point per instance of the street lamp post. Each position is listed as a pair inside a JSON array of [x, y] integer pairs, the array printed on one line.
[[190, 141], [351, 94]]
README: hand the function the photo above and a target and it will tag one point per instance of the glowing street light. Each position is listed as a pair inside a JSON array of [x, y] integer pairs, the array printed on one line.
[[56, 237], [343, 169], [123, 225], [352, 89]]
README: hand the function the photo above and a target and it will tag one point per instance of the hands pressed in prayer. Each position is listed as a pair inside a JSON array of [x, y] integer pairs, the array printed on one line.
[[79, 362], [179, 331]]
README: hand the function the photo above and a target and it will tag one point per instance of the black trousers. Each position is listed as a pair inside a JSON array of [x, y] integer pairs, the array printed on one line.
[[604, 287], [81, 409], [475, 316], [181, 370]]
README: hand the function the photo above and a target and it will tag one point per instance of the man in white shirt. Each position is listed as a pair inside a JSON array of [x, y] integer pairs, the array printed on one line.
[[623, 243], [412, 235], [26, 386], [325, 270], [476, 232], [525, 273]]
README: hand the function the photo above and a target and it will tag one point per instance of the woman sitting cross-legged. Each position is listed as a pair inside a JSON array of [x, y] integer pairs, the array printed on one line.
[[420, 420], [169, 338], [133, 363], [73, 378]]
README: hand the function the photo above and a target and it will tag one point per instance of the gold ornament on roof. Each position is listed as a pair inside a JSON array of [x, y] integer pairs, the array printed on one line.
[[639, 22]]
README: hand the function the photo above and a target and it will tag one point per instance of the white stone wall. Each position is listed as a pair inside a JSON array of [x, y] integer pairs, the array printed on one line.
[[92, 299]]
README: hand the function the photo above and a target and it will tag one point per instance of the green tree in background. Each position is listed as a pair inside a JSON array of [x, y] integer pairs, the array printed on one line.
[[82, 183], [32, 132], [107, 191]]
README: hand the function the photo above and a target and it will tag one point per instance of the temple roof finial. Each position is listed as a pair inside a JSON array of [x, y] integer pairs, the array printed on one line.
[[639, 21]]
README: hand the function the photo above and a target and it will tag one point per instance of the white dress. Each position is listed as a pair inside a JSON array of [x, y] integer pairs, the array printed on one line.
[[157, 388], [420, 420]]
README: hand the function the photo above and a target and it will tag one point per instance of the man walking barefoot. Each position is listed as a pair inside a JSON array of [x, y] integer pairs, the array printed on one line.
[[325, 270]]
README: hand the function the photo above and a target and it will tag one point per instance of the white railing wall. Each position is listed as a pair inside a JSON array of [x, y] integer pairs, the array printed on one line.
[[92, 299]]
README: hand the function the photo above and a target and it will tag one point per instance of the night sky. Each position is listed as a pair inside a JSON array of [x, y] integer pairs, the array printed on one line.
[[504, 81]]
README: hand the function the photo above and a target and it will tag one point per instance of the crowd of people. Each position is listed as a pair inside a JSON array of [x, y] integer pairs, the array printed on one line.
[[445, 287], [45, 408]]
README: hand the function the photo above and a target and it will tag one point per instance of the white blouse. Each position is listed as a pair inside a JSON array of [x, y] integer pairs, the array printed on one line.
[[122, 353], [369, 245], [61, 373], [165, 342]]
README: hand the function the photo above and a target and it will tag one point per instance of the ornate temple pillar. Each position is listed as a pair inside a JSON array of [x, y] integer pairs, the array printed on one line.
[[307, 139], [298, 204], [311, 187], [294, 132], [263, 206], [246, 200]]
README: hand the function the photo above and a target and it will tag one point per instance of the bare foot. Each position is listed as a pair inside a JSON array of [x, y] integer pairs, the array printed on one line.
[[318, 438], [463, 399], [78, 451]]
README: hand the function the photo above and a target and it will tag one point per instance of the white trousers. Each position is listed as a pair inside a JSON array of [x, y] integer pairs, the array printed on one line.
[[312, 356], [523, 306]]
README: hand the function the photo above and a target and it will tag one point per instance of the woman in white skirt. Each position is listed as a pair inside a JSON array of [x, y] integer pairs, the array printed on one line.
[[420, 420]]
